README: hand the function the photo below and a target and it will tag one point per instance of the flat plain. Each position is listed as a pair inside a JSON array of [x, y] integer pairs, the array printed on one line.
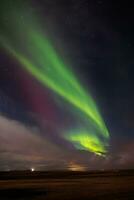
[[67, 185]]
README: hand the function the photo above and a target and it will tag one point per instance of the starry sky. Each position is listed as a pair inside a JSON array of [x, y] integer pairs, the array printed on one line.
[[95, 39]]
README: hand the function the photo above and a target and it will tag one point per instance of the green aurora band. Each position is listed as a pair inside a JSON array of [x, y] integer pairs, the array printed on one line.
[[40, 59]]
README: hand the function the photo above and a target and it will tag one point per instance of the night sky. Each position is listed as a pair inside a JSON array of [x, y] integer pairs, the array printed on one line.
[[95, 39]]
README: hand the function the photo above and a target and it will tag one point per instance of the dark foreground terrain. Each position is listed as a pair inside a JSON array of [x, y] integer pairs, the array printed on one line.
[[111, 185]]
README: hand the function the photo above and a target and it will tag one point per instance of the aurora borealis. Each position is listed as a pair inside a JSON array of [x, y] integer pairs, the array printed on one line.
[[58, 82], [47, 67]]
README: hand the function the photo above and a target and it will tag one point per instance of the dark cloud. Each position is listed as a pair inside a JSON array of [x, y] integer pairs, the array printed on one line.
[[22, 148]]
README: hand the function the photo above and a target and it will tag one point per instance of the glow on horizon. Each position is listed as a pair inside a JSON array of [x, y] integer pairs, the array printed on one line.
[[76, 167]]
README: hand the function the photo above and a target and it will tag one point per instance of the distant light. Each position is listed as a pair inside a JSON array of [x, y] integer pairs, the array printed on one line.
[[32, 169]]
